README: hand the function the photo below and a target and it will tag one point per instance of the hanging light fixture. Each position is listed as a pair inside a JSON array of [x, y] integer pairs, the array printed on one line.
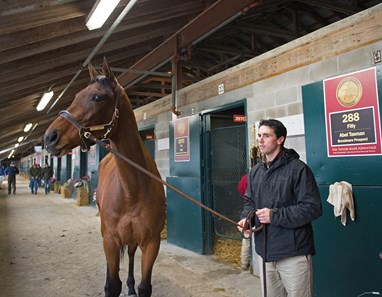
[[45, 99], [20, 138], [28, 127], [10, 155], [35, 125], [101, 10]]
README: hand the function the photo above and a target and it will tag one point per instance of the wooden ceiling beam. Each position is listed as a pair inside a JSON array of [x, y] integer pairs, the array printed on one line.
[[224, 50], [208, 20], [330, 5], [77, 53], [146, 94], [77, 36], [266, 30], [15, 20]]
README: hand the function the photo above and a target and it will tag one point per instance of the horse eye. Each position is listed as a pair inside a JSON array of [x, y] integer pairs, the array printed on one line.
[[96, 98]]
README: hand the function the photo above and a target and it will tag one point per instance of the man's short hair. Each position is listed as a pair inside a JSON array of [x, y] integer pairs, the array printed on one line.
[[277, 127]]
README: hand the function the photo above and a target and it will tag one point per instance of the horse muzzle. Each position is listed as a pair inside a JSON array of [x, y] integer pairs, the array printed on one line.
[[50, 141]]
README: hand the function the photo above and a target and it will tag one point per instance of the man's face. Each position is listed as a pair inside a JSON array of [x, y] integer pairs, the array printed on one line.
[[269, 144]]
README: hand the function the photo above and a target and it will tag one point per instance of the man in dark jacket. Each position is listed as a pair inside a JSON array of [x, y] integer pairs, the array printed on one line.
[[284, 196], [11, 171], [34, 175], [47, 174], [2, 175]]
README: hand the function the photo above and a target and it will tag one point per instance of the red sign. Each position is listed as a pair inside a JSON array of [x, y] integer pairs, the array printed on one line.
[[239, 118], [181, 140], [149, 136], [352, 114]]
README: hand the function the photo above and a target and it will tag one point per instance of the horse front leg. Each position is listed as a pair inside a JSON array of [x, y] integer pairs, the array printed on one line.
[[113, 285], [149, 255], [130, 278]]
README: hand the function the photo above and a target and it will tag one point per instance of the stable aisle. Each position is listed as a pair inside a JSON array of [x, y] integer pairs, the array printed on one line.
[[50, 247]]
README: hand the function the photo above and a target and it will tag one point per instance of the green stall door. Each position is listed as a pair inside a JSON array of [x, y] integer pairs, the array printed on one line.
[[185, 219], [348, 261]]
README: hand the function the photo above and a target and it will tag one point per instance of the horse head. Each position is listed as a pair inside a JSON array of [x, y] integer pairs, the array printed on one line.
[[93, 110]]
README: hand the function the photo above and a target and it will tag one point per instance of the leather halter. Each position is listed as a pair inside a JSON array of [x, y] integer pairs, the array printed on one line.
[[85, 132]]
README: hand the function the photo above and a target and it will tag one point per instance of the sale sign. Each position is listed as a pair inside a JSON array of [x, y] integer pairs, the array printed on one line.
[[352, 115], [181, 140]]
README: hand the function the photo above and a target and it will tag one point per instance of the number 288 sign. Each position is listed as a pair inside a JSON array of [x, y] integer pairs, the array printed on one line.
[[352, 115]]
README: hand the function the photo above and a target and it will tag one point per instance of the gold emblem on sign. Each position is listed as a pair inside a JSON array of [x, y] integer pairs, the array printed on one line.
[[181, 129], [349, 91]]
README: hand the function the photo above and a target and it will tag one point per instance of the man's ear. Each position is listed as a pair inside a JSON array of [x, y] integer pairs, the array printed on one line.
[[280, 140]]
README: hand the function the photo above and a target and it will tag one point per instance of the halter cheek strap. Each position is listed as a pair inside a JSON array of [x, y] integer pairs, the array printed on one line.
[[85, 132]]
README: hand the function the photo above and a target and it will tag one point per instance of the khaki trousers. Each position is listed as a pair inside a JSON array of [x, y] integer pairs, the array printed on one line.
[[245, 253], [289, 277]]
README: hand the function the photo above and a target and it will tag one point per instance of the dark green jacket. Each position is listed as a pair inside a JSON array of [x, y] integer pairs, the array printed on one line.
[[47, 172], [34, 172]]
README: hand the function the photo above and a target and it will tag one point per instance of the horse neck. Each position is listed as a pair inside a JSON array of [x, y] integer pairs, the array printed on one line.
[[126, 139]]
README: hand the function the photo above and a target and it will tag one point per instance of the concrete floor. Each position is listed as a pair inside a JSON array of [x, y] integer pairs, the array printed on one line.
[[50, 247]]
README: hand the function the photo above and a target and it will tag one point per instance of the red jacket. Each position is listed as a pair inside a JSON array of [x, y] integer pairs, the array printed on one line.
[[243, 184]]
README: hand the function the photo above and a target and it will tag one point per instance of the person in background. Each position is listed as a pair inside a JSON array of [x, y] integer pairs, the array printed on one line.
[[2, 175], [283, 196], [34, 174], [245, 242], [39, 176], [47, 174], [11, 171]]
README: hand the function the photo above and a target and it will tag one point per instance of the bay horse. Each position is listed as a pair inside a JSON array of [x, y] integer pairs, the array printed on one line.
[[131, 205]]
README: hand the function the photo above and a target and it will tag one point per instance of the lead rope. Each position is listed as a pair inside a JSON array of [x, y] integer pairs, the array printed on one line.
[[91, 137], [265, 256], [248, 227]]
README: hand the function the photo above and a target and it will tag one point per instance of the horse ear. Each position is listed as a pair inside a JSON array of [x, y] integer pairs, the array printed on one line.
[[107, 71], [92, 71]]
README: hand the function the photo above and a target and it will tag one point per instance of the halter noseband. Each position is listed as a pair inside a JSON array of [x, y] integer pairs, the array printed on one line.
[[85, 132]]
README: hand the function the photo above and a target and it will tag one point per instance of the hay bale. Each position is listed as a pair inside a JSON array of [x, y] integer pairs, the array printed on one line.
[[56, 187], [228, 250], [83, 198], [66, 192], [163, 234]]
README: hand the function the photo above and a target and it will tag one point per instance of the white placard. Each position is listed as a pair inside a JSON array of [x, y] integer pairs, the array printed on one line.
[[163, 144], [221, 89], [294, 124]]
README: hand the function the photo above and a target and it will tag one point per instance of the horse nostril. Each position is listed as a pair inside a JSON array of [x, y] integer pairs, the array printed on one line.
[[51, 138]]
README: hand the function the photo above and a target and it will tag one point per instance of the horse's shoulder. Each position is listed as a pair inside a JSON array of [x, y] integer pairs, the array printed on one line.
[[105, 162]]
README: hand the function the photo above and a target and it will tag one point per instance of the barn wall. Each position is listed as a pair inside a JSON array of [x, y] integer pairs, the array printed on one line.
[[272, 82]]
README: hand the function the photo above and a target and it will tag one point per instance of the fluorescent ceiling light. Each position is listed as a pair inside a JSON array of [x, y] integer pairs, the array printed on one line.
[[28, 127], [10, 155], [20, 138], [44, 100], [100, 12], [17, 145]]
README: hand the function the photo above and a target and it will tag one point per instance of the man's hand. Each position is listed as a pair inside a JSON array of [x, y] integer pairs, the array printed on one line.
[[241, 223], [264, 215]]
